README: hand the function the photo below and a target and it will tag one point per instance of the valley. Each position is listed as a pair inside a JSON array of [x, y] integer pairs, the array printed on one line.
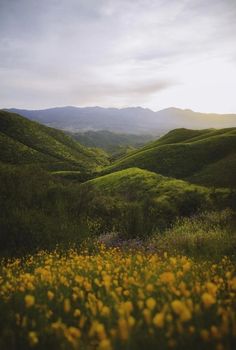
[[120, 239]]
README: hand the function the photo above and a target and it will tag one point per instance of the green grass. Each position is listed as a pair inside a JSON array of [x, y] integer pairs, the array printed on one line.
[[149, 200], [186, 156], [208, 235], [26, 142], [144, 192]]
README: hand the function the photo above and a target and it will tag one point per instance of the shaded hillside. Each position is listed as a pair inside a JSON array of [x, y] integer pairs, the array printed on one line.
[[149, 201], [26, 142], [204, 157], [127, 120], [109, 141]]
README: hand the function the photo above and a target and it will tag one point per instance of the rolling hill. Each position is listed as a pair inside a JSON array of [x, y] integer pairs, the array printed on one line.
[[26, 142], [205, 157], [109, 141], [147, 200], [135, 120]]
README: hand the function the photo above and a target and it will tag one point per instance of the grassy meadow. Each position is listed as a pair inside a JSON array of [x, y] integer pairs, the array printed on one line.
[[131, 252]]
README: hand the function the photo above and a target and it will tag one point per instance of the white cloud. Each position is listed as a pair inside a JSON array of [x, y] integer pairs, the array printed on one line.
[[121, 52]]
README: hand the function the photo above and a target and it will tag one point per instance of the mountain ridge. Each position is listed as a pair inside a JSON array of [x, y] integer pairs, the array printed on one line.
[[136, 120]]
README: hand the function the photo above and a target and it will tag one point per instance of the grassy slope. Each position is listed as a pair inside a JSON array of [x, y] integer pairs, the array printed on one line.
[[23, 141], [140, 184], [204, 157]]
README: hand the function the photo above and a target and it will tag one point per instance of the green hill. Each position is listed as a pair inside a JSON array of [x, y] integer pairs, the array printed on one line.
[[26, 142], [138, 201], [138, 184], [147, 201], [205, 157], [109, 141]]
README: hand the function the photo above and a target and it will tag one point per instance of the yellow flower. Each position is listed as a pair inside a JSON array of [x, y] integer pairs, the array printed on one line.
[[151, 303], [77, 313], [123, 329], [131, 321], [232, 283], [105, 344], [126, 307], [177, 306], [185, 315], [74, 332], [186, 266], [149, 287], [29, 300], [67, 305], [212, 288], [208, 300], [33, 338], [167, 277], [173, 261], [147, 315], [215, 332], [50, 295], [181, 310], [105, 311], [158, 320]]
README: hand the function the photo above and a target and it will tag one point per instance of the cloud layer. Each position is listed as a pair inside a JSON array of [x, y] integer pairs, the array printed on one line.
[[155, 53]]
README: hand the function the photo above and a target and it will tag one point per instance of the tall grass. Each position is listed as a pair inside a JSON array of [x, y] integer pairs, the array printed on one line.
[[209, 235]]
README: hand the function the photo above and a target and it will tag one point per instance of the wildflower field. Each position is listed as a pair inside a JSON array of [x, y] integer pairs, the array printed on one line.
[[114, 299]]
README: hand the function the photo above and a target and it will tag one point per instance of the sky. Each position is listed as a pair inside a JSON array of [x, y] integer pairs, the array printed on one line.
[[118, 53]]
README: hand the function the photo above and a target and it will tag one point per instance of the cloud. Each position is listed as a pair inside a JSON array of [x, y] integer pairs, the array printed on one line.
[[112, 52]]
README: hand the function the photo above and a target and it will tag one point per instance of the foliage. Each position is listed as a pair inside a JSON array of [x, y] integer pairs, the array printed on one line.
[[25, 142], [208, 235], [113, 299], [208, 159], [111, 142], [35, 211]]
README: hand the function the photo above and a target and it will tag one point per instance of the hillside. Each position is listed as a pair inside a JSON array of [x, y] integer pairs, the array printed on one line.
[[109, 141], [135, 120], [26, 142], [146, 200], [206, 157], [137, 184]]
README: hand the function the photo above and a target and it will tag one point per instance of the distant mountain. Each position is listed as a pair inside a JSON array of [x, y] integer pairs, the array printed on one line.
[[205, 157], [127, 120], [23, 141]]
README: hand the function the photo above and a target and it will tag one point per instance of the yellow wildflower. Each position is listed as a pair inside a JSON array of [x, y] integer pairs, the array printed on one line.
[[181, 310], [67, 305], [158, 320], [151, 303], [167, 277], [208, 300], [29, 300], [105, 344], [50, 295], [123, 329], [77, 313], [33, 338]]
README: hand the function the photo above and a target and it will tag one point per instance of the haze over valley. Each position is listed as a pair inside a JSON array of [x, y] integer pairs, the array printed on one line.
[[127, 120]]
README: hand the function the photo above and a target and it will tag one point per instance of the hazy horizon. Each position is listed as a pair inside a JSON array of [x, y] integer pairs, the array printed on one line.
[[116, 54], [114, 107]]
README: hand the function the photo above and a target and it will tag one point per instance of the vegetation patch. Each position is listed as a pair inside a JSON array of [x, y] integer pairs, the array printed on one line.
[[112, 299]]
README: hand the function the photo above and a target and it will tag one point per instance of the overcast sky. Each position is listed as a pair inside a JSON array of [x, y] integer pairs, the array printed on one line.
[[118, 53]]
